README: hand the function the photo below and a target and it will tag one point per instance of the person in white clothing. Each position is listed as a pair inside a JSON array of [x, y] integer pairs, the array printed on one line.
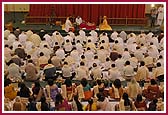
[[114, 35], [57, 37], [160, 15], [68, 46], [123, 35], [82, 71], [11, 38], [6, 33], [96, 72], [46, 51], [104, 37], [94, 34], [113, 73], [68, 25], [23, 38], [78, 20], [79, 47], [120, 63], [60, 53]]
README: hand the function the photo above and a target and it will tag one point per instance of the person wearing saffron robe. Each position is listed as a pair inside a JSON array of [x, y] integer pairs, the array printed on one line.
[[105, 25]]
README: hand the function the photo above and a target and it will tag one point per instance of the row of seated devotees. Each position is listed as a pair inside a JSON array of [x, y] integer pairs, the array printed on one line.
[[82, 97], [83, 91]]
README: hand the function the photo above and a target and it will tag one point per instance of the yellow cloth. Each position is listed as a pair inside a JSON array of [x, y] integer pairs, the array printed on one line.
[[116, 92], [93, 107], [10, 92], [80, 91], [142, 73], [104, 25]]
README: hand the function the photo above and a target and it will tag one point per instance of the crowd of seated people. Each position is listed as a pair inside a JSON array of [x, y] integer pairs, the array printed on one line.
[[83, 73]]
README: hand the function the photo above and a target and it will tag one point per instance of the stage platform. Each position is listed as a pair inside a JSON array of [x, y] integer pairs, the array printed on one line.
[[51, 28]]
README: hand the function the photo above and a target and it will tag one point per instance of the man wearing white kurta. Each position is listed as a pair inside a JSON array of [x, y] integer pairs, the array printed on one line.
[[68, 25], [23, 38], [160, 15], [78, 20]]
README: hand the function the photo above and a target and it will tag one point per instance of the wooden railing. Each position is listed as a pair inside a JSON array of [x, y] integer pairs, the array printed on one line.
[[45, 19], [111, 21], [125, 21]]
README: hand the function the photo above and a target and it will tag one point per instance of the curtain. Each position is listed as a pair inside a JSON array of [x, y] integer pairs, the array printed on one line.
[[91, 12]]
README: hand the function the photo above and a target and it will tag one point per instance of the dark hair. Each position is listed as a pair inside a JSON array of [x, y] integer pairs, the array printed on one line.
[[142, 63], [139, 98], [89, 40], [160, 57], [45, 46], [100, 97], [43, 99], [88, 48], [68, 82], [107, 59], [117, 83], [84, 82], [113, 65], [6, 45], [74, 48], [132, 55], [137, 47], [19, 45], [153, 82], [95, 57], [79, 105], [116, 41], [99, 82], [101, 47], [56, 43], [158, 64], [50, 82], [65, 63], [126, 49], [82, 63], [41, 53], [78, 41], [126, 99], [103, 41], [58, 99], [82, 56], [28, 56], [94, 65], [127, 62], [67, 40], [119, 56], [30, 61]]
